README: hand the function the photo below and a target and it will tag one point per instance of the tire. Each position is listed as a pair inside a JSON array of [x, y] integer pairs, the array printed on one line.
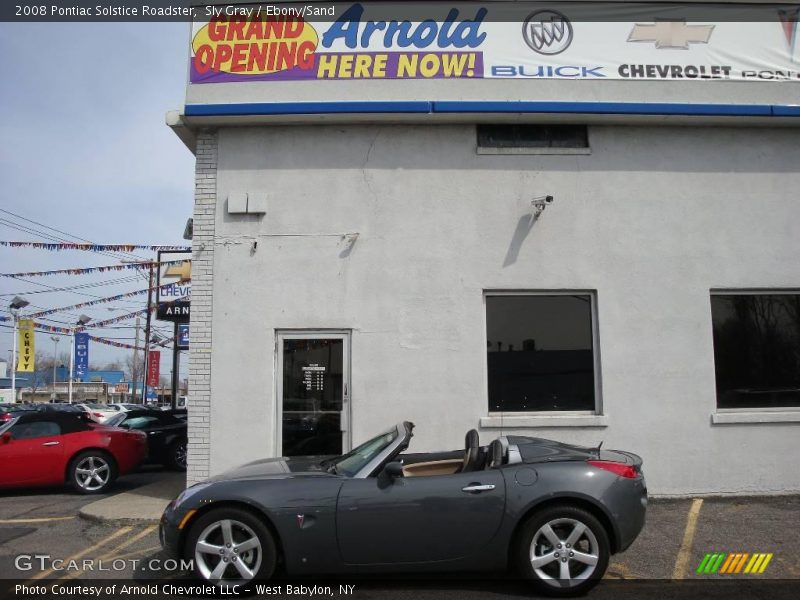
[[567, 524], [92, 472], [219, 558], [177, 455]]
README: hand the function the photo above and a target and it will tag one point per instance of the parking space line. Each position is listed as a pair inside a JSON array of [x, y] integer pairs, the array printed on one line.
[[135, 552], [33, 520], [82, 553], [114, 552], [685, 552]]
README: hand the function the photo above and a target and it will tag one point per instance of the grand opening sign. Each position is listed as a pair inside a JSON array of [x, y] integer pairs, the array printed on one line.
[[246, 43]]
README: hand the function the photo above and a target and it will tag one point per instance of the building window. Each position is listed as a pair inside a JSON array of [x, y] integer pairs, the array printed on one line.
[[540, 352], [538, 139], [756, 349]]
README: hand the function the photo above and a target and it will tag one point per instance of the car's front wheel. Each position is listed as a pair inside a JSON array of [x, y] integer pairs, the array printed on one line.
[[92, 472], [231, 545], [563, 550]]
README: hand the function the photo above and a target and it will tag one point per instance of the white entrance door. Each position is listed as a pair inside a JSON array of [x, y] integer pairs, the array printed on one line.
[[313, 375]]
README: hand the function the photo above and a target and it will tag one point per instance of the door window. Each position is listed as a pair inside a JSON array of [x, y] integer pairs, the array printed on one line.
[[37, 429], [313, 390]]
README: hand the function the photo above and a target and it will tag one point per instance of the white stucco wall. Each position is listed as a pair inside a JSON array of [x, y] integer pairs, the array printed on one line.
[[651, 221]]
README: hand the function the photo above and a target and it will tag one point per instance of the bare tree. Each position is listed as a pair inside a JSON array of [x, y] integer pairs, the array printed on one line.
[[133, 370]]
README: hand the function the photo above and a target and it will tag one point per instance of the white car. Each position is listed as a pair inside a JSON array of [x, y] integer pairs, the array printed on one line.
[[101, 413], [124, 407]]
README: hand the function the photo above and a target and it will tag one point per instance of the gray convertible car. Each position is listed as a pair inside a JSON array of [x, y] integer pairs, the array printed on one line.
[[554, 512]]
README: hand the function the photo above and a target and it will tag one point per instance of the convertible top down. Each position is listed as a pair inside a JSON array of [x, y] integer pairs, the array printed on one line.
[[553, 511]]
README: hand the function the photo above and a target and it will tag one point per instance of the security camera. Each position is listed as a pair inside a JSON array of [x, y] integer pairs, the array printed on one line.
[[540, 203]]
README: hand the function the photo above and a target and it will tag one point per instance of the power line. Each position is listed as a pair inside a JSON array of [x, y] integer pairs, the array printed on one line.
[[71, 288], [116, 255]]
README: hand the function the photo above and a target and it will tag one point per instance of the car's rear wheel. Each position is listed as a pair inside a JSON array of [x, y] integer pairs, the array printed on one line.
[[230, 546], [177, 455], [92, 472], [564, 550]]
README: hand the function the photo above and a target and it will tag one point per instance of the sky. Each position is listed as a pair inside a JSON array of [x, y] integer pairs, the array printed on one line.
[[85, 150]]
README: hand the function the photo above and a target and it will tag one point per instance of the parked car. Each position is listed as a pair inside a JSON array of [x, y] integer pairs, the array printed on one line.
[[62, 407], [555, 511], [124, 406], [97, 412], [166, 435], [179, 413], [53, 447], [8, 411]]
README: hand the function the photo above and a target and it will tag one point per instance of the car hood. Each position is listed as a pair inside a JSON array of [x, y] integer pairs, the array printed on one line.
[[276, 468]]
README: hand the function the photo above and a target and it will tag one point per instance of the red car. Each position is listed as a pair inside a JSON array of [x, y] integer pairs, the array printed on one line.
[[54, 447]]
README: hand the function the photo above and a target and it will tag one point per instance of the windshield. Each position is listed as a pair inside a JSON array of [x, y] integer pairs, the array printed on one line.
[[8, 425], [355, 460], [115, 420]]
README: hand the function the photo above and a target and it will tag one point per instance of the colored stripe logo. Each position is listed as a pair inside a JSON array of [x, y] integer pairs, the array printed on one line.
[[734, 563]]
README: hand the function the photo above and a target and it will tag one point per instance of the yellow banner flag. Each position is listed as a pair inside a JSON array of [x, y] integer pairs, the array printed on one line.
[[26, 346]]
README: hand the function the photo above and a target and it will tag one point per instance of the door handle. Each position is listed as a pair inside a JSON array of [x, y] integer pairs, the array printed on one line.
[[51, 444], [476, 488]]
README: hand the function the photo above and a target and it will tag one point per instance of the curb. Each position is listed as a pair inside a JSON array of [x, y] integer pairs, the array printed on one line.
[[95, 518]]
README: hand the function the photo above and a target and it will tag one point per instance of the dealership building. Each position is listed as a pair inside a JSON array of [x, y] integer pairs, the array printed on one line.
[[531, 224]]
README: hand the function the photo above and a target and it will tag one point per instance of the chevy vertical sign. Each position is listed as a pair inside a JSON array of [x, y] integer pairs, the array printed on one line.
[[26, 346]]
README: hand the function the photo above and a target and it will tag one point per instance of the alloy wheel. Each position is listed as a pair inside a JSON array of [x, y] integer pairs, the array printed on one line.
[[180, 455], [228, 550], [92, 473], [564, 552]]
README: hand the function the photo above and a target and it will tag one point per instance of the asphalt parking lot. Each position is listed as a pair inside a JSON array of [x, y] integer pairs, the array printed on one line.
[[677, 536]]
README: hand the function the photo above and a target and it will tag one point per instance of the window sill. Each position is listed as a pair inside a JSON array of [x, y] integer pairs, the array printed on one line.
[[725, 418], [535, 151], [566, 420]]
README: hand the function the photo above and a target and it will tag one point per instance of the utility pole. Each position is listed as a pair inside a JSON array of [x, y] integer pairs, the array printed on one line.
[[134, 370], [175, 365], [147, 334]]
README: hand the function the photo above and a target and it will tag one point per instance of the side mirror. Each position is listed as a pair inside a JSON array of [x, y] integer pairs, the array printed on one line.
[[394, 469], [6, 437]]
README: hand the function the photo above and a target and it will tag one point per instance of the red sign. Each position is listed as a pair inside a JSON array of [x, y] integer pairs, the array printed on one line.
[[153, 363]]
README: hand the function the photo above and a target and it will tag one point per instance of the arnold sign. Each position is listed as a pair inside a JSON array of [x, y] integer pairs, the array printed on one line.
[[465, 41]]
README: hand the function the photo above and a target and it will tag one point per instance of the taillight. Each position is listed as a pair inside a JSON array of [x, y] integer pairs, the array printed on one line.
[[98, 415], [621, 469]]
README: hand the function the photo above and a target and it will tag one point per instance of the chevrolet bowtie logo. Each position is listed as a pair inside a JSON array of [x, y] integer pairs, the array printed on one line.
[[671, 34], [182, 271]]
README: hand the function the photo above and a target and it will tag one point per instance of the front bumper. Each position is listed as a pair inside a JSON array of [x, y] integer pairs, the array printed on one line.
[[168, 533]]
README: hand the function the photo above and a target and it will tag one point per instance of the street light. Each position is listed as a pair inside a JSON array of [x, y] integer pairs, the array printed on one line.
[[82, 321], [55, 339], [16, 305]]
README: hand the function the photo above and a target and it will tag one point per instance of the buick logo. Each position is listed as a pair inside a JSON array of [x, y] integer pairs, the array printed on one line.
[[547, 32]]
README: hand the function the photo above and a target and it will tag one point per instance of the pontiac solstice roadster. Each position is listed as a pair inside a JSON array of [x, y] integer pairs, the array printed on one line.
[[553, 511]]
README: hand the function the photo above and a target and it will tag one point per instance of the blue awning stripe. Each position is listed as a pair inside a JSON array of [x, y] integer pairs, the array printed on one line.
[[493, 107]]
